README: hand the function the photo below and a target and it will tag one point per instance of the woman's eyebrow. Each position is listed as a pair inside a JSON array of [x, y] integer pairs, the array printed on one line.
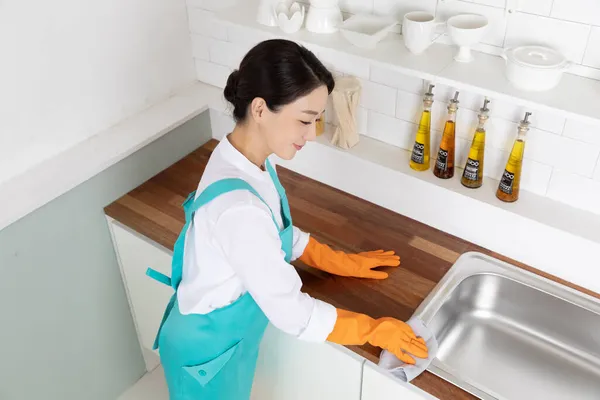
[[312, 112]]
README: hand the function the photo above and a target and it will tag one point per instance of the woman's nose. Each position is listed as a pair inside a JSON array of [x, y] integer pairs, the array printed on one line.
[[312, 132]]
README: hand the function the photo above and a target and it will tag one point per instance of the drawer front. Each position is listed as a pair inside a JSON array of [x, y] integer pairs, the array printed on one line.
[[147, 297]]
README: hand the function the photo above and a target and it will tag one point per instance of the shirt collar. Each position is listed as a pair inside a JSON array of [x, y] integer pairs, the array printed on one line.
[[233, 156]]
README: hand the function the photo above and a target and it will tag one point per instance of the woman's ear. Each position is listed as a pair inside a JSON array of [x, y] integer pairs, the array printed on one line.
[[258, 107]]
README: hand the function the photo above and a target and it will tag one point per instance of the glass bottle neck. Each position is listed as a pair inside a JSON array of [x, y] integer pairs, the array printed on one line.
[[451, 116], [521, 134]]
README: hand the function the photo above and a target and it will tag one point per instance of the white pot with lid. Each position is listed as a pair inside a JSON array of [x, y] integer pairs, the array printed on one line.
[[534, 68]]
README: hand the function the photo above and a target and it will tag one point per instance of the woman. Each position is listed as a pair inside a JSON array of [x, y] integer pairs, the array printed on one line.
[[234, 276]]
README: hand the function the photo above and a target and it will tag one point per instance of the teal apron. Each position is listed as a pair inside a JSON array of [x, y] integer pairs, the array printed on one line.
[[213, 356]]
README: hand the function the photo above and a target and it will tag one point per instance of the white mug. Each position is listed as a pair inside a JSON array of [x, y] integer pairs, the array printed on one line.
[[418, 29]]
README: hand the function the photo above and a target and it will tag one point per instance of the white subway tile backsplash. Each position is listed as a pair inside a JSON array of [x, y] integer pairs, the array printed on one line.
[[471, 101], [582, 131], [243, 36], [497, 20], [356, 6], [212, 73], [391, 130], [461, 152], [396, 79], [492, 3], [575, 190], [408, 106], [535, 176], [200, 47], [227, 54], [466, 123], [585, 11], [538, 7], [397, 9], [378, 97], [204, 23], [592, 53], [570, 38], [221, 124], [501, 133], [563, 153], [544, 120], [362, 115], [346, 63], [494, 162], [545, 147]]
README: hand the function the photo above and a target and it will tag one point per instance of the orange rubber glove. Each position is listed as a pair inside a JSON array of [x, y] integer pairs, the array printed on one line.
[[390, 334], [321, 256]]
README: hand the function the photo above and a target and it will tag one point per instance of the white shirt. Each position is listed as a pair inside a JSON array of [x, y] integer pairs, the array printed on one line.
[[233, 247]]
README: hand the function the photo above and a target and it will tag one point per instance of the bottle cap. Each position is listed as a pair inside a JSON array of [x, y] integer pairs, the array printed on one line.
[[524, 124], [453, 105], [485, 108], [428, 98]]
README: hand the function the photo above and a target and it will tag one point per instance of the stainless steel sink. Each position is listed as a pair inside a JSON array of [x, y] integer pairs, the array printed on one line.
[[505, 333]]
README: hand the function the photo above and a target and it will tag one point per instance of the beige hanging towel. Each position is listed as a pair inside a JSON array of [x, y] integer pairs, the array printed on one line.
[[346, 96]]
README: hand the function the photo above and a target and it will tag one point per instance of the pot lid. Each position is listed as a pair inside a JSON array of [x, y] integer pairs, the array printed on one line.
[[536, 57]]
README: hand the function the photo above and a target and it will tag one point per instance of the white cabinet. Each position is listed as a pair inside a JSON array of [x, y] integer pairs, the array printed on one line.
[[381, 385], [291, 369], [147, 297]]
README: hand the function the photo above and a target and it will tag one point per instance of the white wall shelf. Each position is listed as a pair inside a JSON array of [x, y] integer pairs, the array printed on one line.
[[576, 97]]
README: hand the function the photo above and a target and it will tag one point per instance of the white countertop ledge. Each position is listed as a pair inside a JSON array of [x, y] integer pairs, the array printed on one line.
[[46, 181], [575, 97]]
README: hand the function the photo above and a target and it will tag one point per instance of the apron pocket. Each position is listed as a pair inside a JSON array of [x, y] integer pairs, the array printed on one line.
[[204, 373]]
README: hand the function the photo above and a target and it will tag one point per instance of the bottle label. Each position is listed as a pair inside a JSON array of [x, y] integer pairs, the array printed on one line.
[[506, 183], [418, 153], [471, 170], [442, 160]]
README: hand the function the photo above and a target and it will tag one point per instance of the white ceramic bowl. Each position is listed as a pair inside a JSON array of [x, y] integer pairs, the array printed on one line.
[[466, 30], [323, 20], [366, 30], [534, 68]]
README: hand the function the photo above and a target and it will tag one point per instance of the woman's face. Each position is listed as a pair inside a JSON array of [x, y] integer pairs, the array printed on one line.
[[287, 130]]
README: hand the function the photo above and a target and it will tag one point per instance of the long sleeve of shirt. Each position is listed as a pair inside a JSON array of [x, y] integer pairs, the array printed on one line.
[[250, 242]]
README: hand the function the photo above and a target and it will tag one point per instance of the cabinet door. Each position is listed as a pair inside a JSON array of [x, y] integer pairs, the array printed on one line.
[[291, 369], [378, 384], [147, 297]]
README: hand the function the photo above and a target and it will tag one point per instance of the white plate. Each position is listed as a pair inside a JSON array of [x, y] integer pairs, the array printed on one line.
[[366, 30]]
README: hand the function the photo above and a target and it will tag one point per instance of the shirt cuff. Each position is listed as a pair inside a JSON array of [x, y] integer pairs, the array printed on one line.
[[321, 323], [300, 243]]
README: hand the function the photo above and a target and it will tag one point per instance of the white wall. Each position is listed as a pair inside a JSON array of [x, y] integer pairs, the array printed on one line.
[[71, 68], [562, 157]]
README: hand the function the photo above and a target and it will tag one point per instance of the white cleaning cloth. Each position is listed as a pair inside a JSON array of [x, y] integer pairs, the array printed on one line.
[[408, 372]]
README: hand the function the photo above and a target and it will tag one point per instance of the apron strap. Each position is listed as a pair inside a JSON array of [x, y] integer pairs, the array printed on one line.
[[285, 206], [190, 206], [218, 188], [158, 276]]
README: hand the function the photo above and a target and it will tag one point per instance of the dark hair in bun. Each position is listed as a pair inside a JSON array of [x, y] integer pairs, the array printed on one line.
[[278, 71]]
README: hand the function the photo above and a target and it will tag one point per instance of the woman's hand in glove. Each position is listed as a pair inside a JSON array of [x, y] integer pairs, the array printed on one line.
[[321, 256]]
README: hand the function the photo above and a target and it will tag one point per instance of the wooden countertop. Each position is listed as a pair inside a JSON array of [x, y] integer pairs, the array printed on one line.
[[334, 217]]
